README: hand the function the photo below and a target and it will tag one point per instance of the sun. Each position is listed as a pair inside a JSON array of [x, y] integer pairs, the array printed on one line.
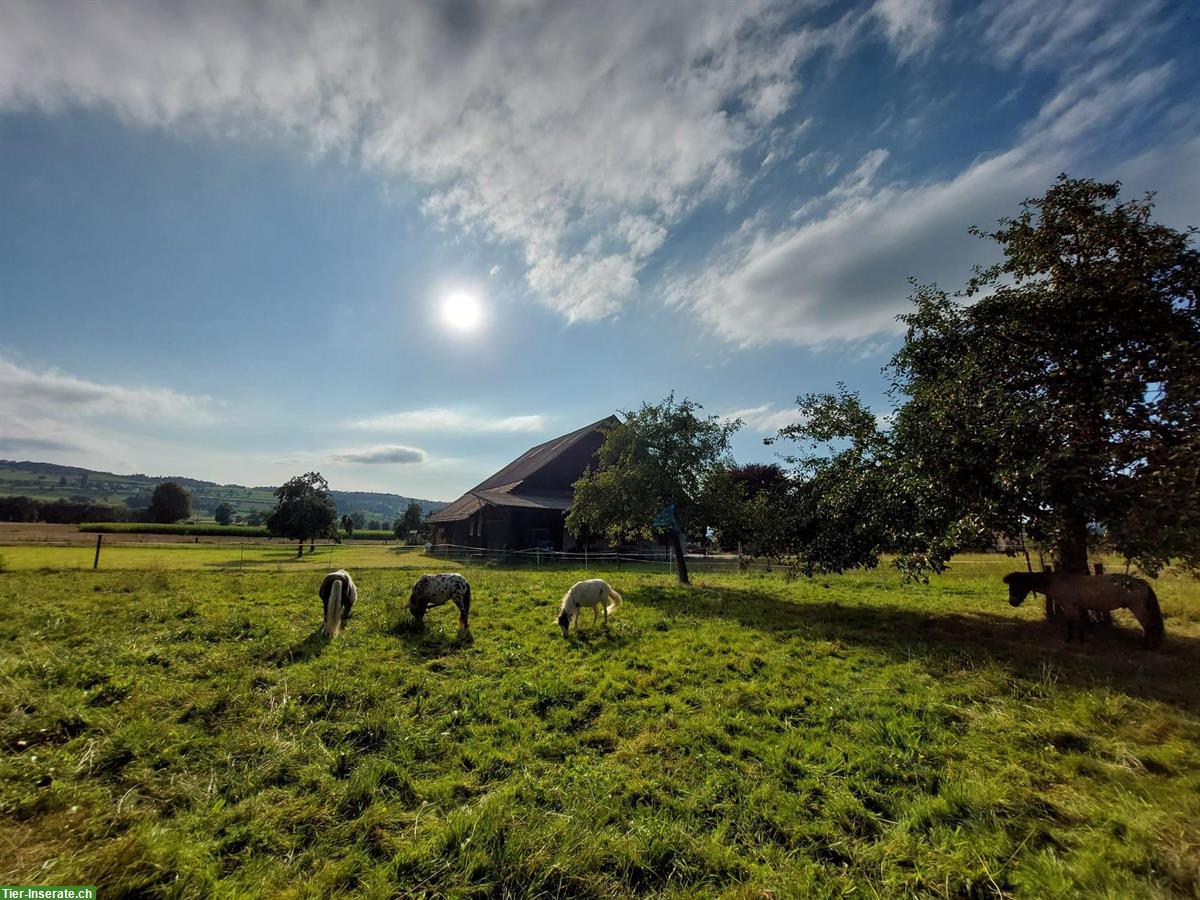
[[462, 311]]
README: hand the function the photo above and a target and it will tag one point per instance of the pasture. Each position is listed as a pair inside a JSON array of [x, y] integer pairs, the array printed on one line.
[[174, 726]]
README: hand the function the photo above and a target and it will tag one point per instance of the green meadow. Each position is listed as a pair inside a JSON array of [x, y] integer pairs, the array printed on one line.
[[173, 725]]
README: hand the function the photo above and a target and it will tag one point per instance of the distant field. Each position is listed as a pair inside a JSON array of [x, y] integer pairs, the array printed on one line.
[[176, 728]]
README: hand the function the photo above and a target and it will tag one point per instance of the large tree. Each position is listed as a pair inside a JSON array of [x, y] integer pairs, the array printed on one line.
[[661, 455], [304, 511], [409, 522], [740, 503], [1057, 399], [223, 513], [169, 503]]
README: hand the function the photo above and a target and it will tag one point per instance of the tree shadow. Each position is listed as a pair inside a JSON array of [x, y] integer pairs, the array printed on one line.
[[944, 641], [309, 648]]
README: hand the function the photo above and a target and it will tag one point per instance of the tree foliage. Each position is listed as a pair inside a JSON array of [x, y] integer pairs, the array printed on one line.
[[1058, 398], [223, 513], [169, 503], [410, 521], [304, 511], [661, 454], [740, 504]]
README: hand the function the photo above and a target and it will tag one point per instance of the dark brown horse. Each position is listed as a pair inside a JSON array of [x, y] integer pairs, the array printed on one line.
[[1075, 593]]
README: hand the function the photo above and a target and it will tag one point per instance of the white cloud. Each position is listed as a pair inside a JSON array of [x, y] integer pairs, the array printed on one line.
[[49, 412], [381, 455], [449, 420], [911, 25], [766, 418], [840, 275], [535, 122], [1033, 33], [50, 393]]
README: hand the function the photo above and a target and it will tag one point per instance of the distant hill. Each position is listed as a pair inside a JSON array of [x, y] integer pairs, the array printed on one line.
[[50, 481]]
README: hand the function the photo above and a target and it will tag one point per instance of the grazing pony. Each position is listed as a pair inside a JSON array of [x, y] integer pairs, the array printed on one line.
[[434, 590], [593, 593], [1075, 593], [338, 594]]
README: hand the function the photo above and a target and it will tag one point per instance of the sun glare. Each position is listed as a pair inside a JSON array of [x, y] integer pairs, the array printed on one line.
[[462, 311]]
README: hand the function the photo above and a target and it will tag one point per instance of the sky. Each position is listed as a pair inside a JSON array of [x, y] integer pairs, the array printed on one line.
[[402, 243]]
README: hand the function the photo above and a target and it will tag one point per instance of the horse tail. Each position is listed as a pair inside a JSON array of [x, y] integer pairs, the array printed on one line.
[[616, 599], [333, 609], [464, 609], [1152, 625]]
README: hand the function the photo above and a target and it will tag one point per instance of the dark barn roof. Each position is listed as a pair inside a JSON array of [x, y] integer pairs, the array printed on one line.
[[540, 478]]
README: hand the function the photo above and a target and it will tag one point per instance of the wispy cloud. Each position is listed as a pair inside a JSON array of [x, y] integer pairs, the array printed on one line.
[[48, 412], [910, 25], [839, 275], [449, 420], [381, 455], [580, 132], [49, 392], [766, 418]]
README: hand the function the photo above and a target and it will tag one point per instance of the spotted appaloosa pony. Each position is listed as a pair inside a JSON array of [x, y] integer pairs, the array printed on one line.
[[594, 593], [1075, 593], [434, 590], [338, 594]]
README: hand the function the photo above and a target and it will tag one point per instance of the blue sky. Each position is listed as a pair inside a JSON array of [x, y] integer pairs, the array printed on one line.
[[228, 230]]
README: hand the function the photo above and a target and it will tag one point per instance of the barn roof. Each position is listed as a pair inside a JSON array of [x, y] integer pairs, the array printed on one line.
[[504, 488]]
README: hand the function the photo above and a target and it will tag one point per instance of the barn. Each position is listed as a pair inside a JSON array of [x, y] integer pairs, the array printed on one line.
[[524, 505]]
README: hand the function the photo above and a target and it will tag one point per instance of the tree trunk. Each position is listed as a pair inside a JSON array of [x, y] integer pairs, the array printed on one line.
[[1072, 546], [680, 562], [1070, 553], [299, 549]]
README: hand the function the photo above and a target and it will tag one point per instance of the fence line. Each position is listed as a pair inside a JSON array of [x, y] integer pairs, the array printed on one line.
[[601, 559]]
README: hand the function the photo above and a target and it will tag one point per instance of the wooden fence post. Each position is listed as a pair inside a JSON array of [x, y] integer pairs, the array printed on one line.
[[96, 561]]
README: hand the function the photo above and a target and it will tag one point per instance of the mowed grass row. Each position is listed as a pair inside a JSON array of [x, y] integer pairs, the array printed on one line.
[[181, 733], [213, 556]]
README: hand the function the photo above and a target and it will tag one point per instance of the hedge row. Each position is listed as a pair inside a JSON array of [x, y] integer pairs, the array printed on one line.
[[158, 528]]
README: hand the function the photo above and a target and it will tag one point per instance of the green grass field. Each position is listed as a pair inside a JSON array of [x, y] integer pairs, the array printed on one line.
[[179, 729]]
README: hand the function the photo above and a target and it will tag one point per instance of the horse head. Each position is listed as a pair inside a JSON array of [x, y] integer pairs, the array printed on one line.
[[1018, 587], [416, 601], [564, 622]]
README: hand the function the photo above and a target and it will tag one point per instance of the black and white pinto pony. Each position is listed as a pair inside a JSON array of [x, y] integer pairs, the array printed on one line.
[[338, 594], [595, 593], [435, 590]]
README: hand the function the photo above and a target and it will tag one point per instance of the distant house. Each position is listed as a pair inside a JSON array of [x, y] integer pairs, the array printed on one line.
[[525, 504]]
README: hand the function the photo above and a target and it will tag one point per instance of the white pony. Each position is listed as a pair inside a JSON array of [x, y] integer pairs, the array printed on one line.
[[338, 594], [593, 592]]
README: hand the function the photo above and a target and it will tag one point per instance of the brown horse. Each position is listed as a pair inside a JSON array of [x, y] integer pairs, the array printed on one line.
[[1075, 593]]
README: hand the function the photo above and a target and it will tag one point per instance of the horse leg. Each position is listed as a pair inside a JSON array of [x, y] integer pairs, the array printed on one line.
[[604, 606], [595, 616]]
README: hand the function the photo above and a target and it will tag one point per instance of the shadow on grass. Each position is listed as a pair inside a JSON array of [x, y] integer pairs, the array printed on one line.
[[280, 559], [309, 648], [429, 642], [593, 640], [945, 640]]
